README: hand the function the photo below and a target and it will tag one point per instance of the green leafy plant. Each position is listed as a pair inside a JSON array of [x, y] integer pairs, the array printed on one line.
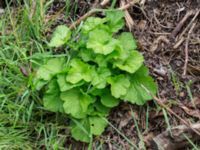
[[103, 68]]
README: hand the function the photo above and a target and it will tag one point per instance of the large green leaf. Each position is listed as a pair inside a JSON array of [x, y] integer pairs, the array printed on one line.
[[92, 23], [108, 100], [140, 83], [76, 103], [64, 85], [86, 54], [116, 21], [51, 99], [132, 63], [101, 42], [60, 36], [81, 130], [51, 68], [100, 109], [79, 71], [100, 77], [119, 85], [127, 41], [97, 125]]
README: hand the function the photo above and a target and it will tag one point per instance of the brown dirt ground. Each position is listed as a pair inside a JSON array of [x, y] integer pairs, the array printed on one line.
[[153, 24]]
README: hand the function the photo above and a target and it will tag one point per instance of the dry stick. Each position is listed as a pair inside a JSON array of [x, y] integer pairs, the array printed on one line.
[[88, 14], [191, 22], [93, 11], [178, 43], [128, 5], [181, 23], [171, 111], [129, 20], [186, 49], [104, 2], [181, 39]]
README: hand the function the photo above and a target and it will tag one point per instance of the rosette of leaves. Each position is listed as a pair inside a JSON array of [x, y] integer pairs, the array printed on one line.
[[104, 68]]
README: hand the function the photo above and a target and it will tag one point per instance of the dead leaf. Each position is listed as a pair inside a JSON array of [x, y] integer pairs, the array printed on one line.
[[192, 112], [148, 138], [157, 42]]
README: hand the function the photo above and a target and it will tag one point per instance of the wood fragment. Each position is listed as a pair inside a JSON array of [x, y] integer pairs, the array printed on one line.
[[186, 49], [181, 23], [175, 138]]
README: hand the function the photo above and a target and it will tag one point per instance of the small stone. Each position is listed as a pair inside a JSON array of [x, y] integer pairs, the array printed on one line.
[[182, 94]]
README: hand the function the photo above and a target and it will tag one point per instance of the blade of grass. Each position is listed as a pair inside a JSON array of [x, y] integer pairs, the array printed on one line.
[[138, 131], [120, 133]]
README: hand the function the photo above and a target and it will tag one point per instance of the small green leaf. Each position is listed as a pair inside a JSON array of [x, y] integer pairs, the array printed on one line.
[[127, 41], [132, 63], [95, 92], [101, 42], [116, 21], [108, 100], [86, 55], [64, 85], [39, 83], [76, 103], [139, 81], [79, 71], [101, 60], [101, 110], [81, 130], [51, 99], [119, 85], [51, 68], [97, 125], [92, 23], [60, 36], [100, 77]]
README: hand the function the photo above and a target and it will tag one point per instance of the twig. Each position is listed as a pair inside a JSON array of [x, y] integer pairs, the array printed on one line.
[[128, 5], [88, 14], [104, 2], [191, 22], [93, 11], [142, 2], [178, 43], [129, 20], [181, 23], [159, 101], [186, 49]]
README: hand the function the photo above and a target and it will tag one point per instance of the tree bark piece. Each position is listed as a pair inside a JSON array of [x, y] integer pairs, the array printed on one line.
[[176, 137]]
